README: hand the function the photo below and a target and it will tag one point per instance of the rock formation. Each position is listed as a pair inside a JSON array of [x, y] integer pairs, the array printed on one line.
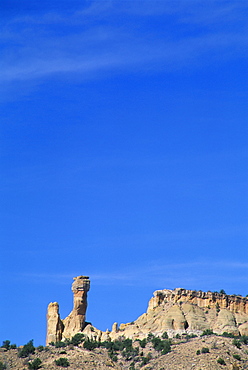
[[58, 329], [182, 311], [177, 311], [55, 325]]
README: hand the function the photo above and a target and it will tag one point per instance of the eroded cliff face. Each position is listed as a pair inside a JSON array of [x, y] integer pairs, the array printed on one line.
[[58, 329], [233, 303], [182, 311]]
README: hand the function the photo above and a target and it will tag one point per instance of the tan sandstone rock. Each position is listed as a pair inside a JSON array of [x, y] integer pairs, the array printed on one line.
[[75, 322], [55, 325], [182, 311], [179, 311], [58, 329]]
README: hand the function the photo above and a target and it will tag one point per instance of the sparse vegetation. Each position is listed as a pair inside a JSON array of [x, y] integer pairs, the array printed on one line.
[[60, 344], [143, 343], [62, 362], [165, 335], [227, 335], [40, 348], [2, 366], [163, 346], [28, 349], [6, 344], [146, 359], [150, 337], [126, 353], [244, 339], [221, 361], [207, 332], [77, 339], [35, 364], [90, 345], [236, 343], [190, 336], [237, 357]]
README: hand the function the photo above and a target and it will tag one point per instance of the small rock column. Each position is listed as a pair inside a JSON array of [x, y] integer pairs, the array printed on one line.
[[55, 325]]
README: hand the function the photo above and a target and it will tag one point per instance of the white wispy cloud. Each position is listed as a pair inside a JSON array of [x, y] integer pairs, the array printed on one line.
[[34, 53], [156, 272], [164, 55]]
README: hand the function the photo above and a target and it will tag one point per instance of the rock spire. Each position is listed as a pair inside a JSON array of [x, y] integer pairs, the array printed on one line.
[[58, 329]]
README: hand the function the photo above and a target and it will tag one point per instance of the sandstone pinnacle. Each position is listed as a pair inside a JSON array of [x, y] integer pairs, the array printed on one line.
[[74, 323]]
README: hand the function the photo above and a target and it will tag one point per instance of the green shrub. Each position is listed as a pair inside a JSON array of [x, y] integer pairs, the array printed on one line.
[[205, 350], [2, 366], [150, 337], [227, 335], [132, 366], [237, 357], [62, 362], [236, 343], [90, 344], [40, 348], [6, 344], [198, 352], [244, 339], [207, 332], [189, 336], [221, 361], [28, 349], [143, 343], [130, 352], [77, 339], [165, 335], [113, 356], [144, 361], [222, 291], [34, 365], [162, 346], [60, 344], [166, 348]]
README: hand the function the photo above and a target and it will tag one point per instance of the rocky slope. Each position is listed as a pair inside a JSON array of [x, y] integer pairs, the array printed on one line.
[[195, 353]]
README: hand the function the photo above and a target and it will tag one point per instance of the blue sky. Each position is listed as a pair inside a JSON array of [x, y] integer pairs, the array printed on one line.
[[123, 150]]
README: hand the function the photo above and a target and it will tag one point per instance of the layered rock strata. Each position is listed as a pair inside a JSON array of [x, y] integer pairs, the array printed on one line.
[[182, 311], [58, 329]]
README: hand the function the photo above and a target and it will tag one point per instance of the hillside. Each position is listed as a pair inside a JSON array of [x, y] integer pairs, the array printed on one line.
[[186, 353]]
